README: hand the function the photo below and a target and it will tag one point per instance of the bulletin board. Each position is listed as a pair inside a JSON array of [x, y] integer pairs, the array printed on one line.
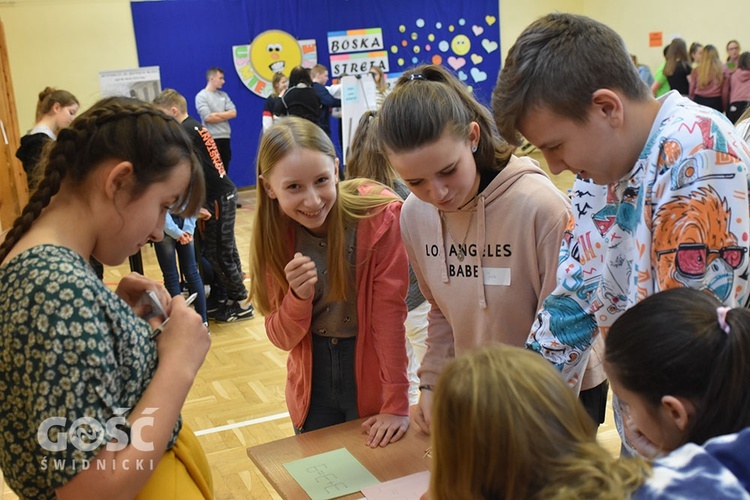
[[186, 37]]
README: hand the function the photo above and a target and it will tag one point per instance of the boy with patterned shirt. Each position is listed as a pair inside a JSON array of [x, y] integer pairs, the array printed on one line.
[[661, 195]]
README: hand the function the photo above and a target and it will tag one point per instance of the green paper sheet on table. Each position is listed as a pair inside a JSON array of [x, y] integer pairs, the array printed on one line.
[[330, 475]]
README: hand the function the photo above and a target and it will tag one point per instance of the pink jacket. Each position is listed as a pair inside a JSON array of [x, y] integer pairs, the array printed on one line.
[[380, 360]]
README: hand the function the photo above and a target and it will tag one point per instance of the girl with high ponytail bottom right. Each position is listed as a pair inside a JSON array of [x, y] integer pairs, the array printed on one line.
[[682, 356]]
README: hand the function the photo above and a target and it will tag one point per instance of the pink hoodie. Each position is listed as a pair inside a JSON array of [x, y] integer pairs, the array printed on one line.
[[739, 88], [513, 231]]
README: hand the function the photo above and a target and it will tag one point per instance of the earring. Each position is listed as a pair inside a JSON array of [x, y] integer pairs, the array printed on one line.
[[474, 148]]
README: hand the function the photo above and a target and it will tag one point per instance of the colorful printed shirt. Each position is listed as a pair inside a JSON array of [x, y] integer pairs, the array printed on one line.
[[720, 469], [74, 359], [679, 218]]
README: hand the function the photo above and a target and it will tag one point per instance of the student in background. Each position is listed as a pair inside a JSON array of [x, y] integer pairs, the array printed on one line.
[[300, 99], [279, 83], [644, 71], [216, 109], [743, 125], [661, 84], [645, 219], [319, 75], [484, 272], [695, 53], [54, 111], [365, 160], [381, 85], [228, 302], [330, 274], [677, 69], [733, 55], [739, 89], [82, 353], [178, 237], [709, 84]]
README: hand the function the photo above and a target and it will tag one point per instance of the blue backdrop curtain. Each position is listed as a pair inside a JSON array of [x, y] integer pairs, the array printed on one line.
[[186, 37]]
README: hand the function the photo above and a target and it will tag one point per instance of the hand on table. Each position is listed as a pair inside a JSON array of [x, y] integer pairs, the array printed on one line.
[[384, 428]]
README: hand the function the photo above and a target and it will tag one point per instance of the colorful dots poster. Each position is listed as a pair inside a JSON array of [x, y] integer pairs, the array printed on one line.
[[468, 45]]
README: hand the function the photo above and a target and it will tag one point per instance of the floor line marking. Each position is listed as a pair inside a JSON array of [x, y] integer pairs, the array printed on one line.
[[244, 423]]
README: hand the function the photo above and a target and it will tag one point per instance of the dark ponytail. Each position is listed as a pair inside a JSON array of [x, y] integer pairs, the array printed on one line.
[[672, 343]]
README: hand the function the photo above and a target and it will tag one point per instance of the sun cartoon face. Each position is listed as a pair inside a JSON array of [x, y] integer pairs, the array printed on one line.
[[461, 45], [274, 51]]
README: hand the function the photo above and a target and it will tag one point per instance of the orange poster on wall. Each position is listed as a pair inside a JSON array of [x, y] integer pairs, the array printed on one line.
[[655, 39]]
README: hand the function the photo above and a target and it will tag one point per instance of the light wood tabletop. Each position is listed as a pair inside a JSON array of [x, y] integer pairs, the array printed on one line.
[[406, 456]]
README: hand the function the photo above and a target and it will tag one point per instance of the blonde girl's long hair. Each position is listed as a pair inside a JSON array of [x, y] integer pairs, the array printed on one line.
[[270, 250], [710, 69], [505, 425]]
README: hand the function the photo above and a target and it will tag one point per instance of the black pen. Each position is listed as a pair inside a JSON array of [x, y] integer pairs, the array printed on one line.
[[159, 329]]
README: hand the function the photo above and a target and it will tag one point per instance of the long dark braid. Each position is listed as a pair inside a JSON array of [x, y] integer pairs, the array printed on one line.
[[120, 128]]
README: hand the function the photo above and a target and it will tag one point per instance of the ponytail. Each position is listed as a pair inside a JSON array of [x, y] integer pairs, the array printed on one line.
[[675, 343], [726, 405]]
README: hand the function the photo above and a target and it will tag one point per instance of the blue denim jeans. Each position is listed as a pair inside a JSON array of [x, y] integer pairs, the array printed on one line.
[[165, 254], [334, 388]]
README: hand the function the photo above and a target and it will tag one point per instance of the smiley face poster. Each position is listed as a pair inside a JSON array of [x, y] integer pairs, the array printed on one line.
[[256, 38], [272, 51]]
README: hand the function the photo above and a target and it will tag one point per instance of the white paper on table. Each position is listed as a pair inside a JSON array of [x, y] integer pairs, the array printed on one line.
[[404, 488]]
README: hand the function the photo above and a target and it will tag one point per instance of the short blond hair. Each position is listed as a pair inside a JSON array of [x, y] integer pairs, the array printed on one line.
[[169, 98]]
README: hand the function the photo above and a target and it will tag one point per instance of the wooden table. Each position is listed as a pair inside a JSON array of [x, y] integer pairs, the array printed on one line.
[[407, 456]]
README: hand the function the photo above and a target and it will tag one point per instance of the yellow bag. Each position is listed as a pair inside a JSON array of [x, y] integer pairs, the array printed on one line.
[[182, 473]]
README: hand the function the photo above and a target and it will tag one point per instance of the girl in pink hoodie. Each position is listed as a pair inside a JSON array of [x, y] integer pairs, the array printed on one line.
[[482, 227]]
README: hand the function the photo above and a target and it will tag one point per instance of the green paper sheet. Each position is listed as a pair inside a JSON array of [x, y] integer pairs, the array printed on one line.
[[330, 475]]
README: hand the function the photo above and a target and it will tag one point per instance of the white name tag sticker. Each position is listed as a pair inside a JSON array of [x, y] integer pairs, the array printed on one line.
[[496, 276]]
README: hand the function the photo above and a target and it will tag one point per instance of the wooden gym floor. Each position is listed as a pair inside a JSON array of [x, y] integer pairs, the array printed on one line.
[[237, 399]]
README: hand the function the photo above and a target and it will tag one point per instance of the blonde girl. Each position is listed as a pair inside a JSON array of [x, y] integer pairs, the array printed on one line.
[[505, 425], [709, 85], [91, 401], [326, 261]]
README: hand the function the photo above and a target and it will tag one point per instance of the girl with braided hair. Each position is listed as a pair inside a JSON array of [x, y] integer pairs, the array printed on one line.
[[92, 398]]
